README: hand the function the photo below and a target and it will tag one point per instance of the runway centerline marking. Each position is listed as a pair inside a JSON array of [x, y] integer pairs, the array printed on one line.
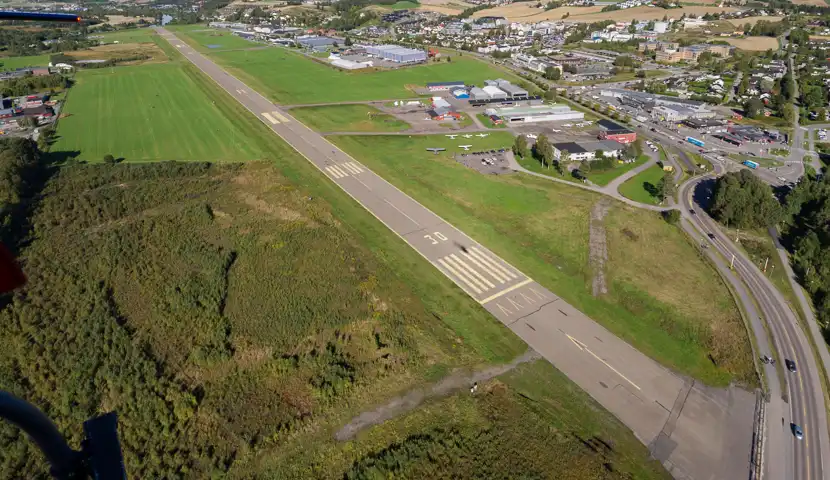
[[585, 348]]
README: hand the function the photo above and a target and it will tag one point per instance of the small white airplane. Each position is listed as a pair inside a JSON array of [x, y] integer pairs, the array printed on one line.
[[465, 147], [435, 150], [452, 137], [482, 135], [467, 136], [555, 130], [532, 136], [568, 125]]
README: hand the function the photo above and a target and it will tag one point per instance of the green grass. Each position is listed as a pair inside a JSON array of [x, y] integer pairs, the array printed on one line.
[[404, 5], [542, 228], [132, 35], [640, 187], [12, 63], [348, 118], [605, 177], [288, 77], [780, 152], [148, 112], [536, 166]]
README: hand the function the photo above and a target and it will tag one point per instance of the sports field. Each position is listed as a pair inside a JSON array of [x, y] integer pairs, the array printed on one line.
[[640, 187], [147, 112], [289, 78], [348, 118], [542, 228], [12, 63]]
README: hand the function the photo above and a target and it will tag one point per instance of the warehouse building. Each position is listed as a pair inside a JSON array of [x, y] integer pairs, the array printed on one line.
[[397, 54], [678, 113], [444, 86], [579, 151], [477, 93], [511, 91], [535, 113], [495, 93], [349, 64], [316, 42], [613, 131]]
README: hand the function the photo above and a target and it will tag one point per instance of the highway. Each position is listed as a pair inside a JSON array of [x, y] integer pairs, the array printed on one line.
[[802, 399], [695, 431]]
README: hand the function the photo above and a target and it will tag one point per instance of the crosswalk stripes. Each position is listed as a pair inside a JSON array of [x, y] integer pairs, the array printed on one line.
[[476, 270], [270, 118], [336, 172], [352, 167]]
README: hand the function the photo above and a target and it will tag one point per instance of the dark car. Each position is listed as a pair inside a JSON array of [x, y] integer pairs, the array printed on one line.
[[790, 365], [692, 211], [711, 235], [653, 129], [798, 432]]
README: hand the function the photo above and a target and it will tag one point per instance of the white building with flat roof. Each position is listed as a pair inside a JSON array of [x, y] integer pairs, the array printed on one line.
[[535, 113]]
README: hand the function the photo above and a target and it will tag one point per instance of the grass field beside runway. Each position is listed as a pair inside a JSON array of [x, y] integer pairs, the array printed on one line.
[[348, 118], [542, 228], [145, 113], [288, 77], [130, 35], [641, 187], [206, 39]]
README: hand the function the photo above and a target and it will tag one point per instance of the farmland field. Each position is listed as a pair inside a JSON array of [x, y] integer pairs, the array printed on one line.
[[348, 118], [523, 12], [640, 187], [288, 77], [12, 63], [754, 43], [147, 112], [740, 22], [542, 228]]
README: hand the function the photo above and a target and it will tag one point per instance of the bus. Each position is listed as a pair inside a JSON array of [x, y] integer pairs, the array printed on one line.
[[695, 141], [750, 164]]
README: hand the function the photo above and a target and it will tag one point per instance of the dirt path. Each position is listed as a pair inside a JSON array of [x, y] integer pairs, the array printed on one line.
[[456, 381], [598, 253]]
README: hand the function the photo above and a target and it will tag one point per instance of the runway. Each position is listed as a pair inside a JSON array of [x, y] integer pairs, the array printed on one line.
[[697, 432]]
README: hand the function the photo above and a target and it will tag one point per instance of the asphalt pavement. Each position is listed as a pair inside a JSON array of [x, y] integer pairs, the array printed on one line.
[[696, 431]]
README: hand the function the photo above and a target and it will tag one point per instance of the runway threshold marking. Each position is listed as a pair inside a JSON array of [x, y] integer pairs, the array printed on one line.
[[585, 348], [270, 118], [281, 117], [336, 172], [477, 270]]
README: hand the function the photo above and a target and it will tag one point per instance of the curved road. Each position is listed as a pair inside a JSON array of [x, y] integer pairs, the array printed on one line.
[[803, 399]]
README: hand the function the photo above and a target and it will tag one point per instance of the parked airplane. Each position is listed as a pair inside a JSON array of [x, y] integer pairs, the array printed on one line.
[[465, 147], [435, 150], [555, 130], [532, 135], [452, 137], [482, 135], [467, 136]]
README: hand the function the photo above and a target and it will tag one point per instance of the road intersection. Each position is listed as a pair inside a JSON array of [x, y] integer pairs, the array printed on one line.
[[696, 431]]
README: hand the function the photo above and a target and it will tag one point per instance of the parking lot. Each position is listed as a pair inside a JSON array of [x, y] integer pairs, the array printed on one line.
[[491, 162]]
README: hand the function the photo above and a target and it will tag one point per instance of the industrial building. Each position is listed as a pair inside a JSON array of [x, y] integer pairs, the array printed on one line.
[[579, 151], [460, 93], [692, 52], [678, 113], [316, 42], [397, 54], [349, 64], [535, 113], [495, 93], [444, 86], [612, 131]]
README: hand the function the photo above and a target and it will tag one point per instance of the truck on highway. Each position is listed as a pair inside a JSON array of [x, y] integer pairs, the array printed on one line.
[[750, 164], [695, 141]]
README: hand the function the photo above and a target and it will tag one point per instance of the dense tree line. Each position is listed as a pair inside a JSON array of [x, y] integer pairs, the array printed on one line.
[[29, 84], [19, 161], [741, 199], [17, 42], [808, 235]]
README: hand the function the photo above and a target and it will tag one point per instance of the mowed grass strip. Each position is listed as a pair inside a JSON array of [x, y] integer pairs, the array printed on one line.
[[641, 187], [131, 35], [207, 39], [146, 113], [542, 228], [348, 118]]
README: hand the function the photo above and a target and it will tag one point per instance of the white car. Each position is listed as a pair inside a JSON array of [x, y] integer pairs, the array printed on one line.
[[531, 135]]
